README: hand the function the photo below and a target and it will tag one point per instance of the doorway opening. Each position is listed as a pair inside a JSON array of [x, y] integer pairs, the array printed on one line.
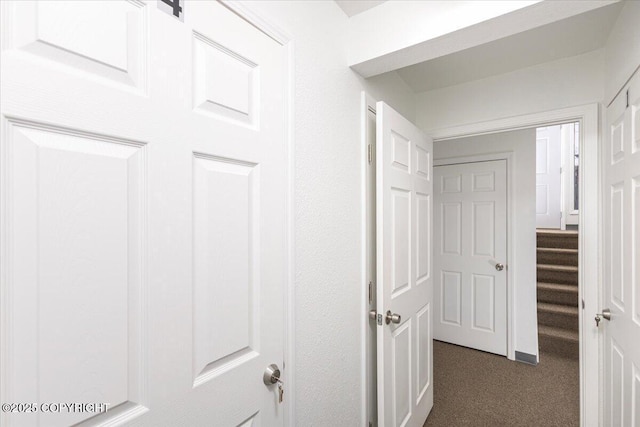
[[557, 253], [590, 264], [557, 250], [587, 118]]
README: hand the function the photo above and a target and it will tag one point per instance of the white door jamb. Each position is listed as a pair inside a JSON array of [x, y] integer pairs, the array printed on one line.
[[367, 104]]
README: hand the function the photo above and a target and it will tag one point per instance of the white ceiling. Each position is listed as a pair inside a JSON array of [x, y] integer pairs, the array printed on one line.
[[353, 7], [573, 36]]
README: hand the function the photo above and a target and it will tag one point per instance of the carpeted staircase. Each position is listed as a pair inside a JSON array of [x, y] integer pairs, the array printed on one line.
[[558, 292]]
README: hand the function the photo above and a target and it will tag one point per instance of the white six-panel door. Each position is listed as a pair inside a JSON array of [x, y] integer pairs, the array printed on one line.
[[622, 259], [404, 274], [143, 232], [548, 177], [470, 217]]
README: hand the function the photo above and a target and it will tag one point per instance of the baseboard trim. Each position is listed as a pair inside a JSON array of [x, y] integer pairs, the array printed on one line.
[[530, 359]]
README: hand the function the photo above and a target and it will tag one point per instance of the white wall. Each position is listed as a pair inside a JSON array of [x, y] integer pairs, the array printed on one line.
[[523, 144], [327, 209], [563, 83], [622, 50]]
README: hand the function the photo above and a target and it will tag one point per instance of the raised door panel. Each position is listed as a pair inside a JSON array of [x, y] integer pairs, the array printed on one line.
[[635, 249], [101, 39], [483, 302], [401, 258], [451, 214], [617, 141], [226, 266], [483, 224], [401, 376], [423, 350], [635, 396], [226, 84], [617, 385], [542, 199], [423, 245], [76, 268], [616, 238], [400, 152], [451, 298]]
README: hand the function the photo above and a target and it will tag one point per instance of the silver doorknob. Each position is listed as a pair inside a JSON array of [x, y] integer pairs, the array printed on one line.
[[392, 317], [499, 266], [606, 313], [271, 374]]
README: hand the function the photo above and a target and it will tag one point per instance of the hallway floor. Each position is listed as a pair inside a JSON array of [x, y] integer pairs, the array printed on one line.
[[474, 388]]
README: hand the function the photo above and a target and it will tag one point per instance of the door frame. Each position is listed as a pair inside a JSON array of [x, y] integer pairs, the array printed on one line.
[[368, 103], [285, 39], [509, 157], [589, 234]]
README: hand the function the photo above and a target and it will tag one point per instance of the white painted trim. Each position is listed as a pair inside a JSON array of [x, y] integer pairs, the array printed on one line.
[[269, 28], [509, 156], [526, 121], [245, 11], [590, 265], [366, 102], [290, 303]]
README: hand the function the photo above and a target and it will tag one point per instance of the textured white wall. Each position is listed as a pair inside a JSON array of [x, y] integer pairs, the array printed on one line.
[[327, 208], [523, 144], [622, 50], [567, 82]]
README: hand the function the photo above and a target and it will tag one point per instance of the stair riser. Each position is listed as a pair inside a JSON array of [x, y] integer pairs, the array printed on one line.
[[570, 259], [558, 241], [558, 320], [559, 346], [552, 276], [555, 297]]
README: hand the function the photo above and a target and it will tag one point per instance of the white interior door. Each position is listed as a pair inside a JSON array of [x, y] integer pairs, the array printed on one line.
[[621, 210], [470, 292], [143, 203], [548, 177], [404, 288]]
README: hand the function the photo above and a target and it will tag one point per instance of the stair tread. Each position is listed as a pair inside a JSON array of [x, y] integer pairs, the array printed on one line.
[[557, 308], [568, 268], [558, 287], [551, 231], [558, 333], [558, 250]]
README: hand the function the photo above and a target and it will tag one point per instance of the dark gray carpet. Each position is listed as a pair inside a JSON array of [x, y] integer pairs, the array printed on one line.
[[473, 388]]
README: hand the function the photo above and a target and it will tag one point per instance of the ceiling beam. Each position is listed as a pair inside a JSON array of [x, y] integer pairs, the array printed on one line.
[[398, 34]]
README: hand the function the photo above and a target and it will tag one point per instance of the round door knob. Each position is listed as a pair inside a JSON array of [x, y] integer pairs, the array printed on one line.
[[392, 317], [271, 374], [499, 266]]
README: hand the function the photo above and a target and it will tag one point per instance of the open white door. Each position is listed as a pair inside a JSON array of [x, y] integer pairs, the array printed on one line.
[[621, 209], [404, 288], [142, 233]]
